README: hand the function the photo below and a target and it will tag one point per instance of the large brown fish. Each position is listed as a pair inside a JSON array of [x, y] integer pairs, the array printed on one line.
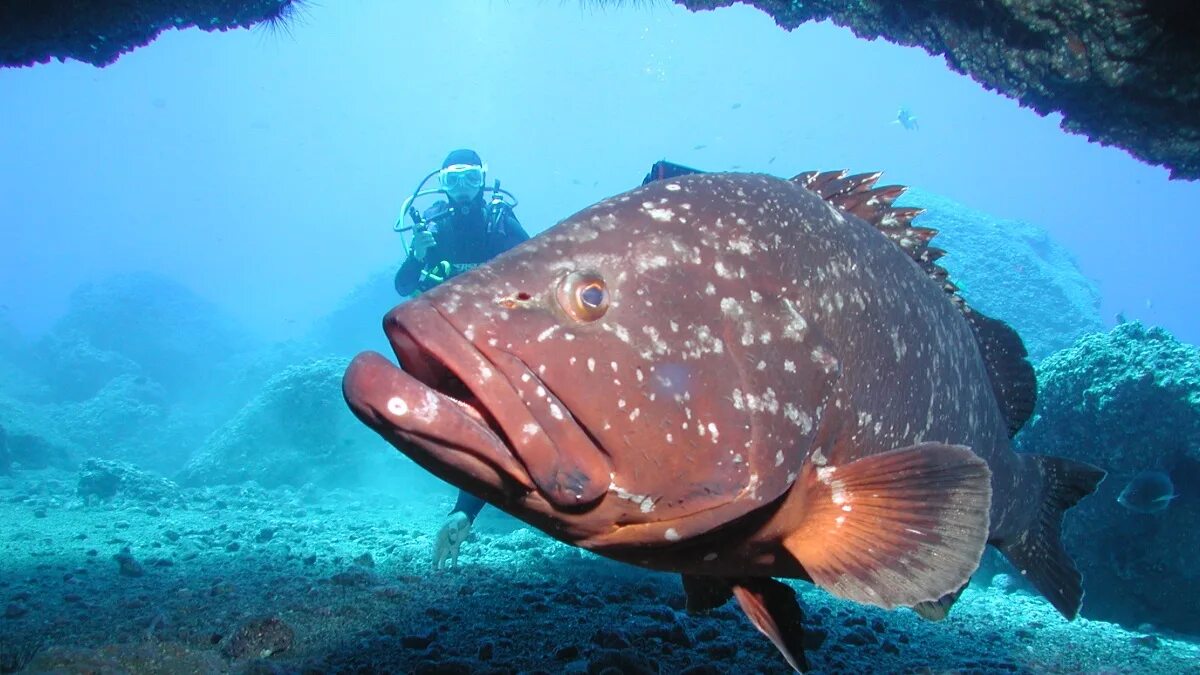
[[736, 377]]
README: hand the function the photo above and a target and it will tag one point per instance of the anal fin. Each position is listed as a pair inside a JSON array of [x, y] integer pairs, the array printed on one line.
[[773, 609], [894, 529], [706, 593], [937, 610], [1038, 552]]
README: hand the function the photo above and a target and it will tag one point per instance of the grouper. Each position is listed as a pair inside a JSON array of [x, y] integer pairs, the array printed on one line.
[[738, 378]]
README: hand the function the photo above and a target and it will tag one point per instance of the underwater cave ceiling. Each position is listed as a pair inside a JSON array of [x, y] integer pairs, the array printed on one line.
[[1121, 72]]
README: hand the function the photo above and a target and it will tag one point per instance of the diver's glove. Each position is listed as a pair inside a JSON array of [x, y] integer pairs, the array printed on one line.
[[422, 242], [453, 533]]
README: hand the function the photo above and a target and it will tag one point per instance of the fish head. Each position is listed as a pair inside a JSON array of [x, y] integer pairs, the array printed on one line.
[[590, 381]]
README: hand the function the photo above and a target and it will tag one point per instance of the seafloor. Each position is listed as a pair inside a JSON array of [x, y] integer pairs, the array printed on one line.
[[246, 580]]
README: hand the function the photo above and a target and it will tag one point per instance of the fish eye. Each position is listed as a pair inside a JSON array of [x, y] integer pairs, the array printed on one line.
[[583, 296]]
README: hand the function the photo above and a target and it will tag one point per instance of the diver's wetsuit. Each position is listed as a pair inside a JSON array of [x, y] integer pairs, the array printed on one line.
[[467, 236]]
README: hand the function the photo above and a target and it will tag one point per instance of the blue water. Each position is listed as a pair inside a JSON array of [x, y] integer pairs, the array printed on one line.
[[263, 170], [225, 194]]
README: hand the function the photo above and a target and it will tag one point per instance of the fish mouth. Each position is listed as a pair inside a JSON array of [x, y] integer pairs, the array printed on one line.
[[467, 417]]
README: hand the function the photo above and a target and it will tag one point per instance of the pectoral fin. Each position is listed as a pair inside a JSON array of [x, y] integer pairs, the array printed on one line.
[[895, 529]]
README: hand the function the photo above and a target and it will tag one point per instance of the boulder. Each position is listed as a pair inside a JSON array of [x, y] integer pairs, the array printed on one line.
[[297, 430], [1128, 401], [1013, 271]]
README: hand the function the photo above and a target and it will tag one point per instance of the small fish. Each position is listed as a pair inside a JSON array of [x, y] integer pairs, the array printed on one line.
[[700, 146], [736, 377], [735, 106], [906, 119], [1148, 492]]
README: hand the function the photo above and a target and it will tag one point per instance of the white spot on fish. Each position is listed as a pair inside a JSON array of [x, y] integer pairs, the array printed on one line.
[[542, 336], [671, 534], [555, 411], [397, 406], [662, 215]]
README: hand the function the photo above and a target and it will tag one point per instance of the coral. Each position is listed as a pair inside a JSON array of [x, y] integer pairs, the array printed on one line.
[[297, 430], [1013, 271], [1128, 401]]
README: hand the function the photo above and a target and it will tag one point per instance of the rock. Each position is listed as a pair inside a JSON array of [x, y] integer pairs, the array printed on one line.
[[1116, 80], [124, 409], [5, 458], [33, 437], [1111, 67], [137, 324], [610, 639], [860, 636], [105, 479], [1012, 271], [298, 430], [568, 653], [141, 657], [15, 610], [353, 576], [625, 662], [1127, 401], [418, 641], [127, 565], [259, 638], [1006, 583]]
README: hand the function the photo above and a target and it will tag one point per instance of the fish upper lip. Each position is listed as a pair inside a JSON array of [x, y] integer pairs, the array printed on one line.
[[436, 433], [556, 453]]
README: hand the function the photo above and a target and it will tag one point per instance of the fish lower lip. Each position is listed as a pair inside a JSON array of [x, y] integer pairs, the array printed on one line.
[[554, 454]]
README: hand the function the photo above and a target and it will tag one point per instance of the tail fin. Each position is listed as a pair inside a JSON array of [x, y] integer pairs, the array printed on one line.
[[1038, 551]]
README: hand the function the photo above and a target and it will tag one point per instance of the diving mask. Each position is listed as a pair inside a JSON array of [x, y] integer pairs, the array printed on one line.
[[458, 178]]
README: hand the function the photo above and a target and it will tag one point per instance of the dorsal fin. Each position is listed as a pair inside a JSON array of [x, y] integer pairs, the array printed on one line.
[[1014, 381], [1011, 374]]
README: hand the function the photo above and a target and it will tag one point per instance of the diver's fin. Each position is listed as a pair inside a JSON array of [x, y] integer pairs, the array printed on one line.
[[706, 593], [894, 529], [773, 609], [1038, 552], [939, 609], [1014, 381]]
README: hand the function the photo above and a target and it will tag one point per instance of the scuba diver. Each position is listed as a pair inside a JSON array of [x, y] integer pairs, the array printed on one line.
[[460, 232], [467, 228]]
